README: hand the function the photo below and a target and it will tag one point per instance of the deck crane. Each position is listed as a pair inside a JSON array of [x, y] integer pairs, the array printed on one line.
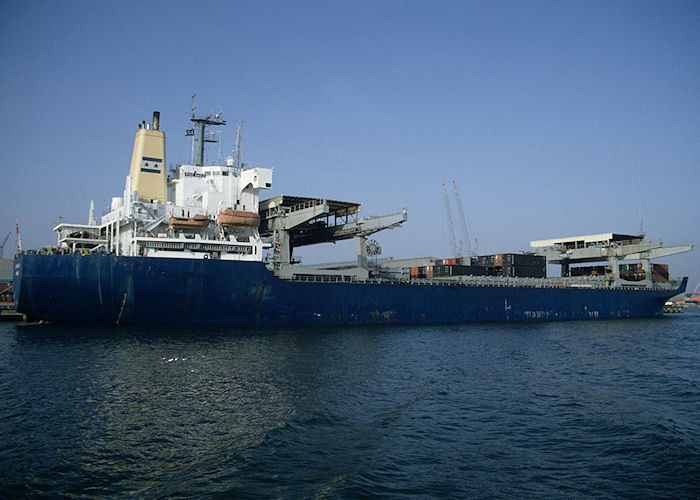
[[450, 226], [2, 245], [465, 247]]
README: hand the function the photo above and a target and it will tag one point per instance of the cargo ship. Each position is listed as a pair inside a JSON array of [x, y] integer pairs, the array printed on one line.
[[196, 245]]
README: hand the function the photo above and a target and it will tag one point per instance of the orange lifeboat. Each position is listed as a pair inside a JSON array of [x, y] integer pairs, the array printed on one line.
[[197, 222], [238, 218]]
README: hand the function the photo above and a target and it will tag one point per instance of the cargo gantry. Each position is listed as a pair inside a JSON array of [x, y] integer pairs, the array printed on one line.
[[295, 221], [606, 247]]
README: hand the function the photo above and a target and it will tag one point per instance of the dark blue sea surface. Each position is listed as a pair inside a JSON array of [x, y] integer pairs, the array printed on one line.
[[598, 409]]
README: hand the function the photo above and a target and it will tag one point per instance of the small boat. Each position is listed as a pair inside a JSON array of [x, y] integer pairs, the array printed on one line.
[[197, 222], [230, 217]]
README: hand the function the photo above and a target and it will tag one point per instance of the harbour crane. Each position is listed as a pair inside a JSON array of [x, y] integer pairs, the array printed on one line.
[[2, 245], [450, 226], [465, 247]]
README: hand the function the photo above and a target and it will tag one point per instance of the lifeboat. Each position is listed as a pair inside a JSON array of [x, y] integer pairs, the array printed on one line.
[[238, 218], [197, 222]]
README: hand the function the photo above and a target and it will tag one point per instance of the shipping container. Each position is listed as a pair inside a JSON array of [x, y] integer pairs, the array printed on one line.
[[659, 273], [460, 270], [631, 272], [521, 259], [527, 271], [448, 262], [441, 270], [485, 260], [589, 271], [660, 268], [474, 271], [504, 259], [659, 278], [468, 261]]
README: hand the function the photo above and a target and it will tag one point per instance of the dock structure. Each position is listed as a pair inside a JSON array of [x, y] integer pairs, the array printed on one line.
[[605, 247]]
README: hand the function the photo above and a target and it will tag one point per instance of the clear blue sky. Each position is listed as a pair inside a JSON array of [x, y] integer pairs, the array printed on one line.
[[554, 118]]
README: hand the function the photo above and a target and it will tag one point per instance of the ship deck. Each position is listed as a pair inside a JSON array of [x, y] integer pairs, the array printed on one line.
[[598, 283]]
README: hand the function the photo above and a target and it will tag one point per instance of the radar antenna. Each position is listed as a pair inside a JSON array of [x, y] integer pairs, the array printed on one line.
[[201, 125]]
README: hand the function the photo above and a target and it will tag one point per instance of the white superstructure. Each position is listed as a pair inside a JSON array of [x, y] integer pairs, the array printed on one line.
[[211, 211]]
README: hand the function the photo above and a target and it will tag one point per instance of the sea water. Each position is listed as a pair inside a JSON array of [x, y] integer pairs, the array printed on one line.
[[602, 409]]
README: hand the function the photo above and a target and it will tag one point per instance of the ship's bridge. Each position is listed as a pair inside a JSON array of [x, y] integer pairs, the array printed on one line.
[[610, 247]]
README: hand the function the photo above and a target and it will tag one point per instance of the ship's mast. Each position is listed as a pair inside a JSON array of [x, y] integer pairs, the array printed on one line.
[[201, 125], [237, 151]]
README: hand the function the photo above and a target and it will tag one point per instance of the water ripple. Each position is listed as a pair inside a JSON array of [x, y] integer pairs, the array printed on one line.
[[578, 409]]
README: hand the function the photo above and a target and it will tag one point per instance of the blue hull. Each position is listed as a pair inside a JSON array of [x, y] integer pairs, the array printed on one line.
[[139, 290]]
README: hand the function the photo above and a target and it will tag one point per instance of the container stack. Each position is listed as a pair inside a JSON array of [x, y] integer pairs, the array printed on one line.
[[589, 271], [517, 265], [459, 270], [629, 272], [422, 272]]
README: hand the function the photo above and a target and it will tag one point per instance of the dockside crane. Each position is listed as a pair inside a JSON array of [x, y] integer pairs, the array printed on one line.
[[465, 247], [450, 226], [2, 245]]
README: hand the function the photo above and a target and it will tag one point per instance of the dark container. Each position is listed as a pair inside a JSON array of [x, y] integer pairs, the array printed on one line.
[[485, 260], [588, 271]]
